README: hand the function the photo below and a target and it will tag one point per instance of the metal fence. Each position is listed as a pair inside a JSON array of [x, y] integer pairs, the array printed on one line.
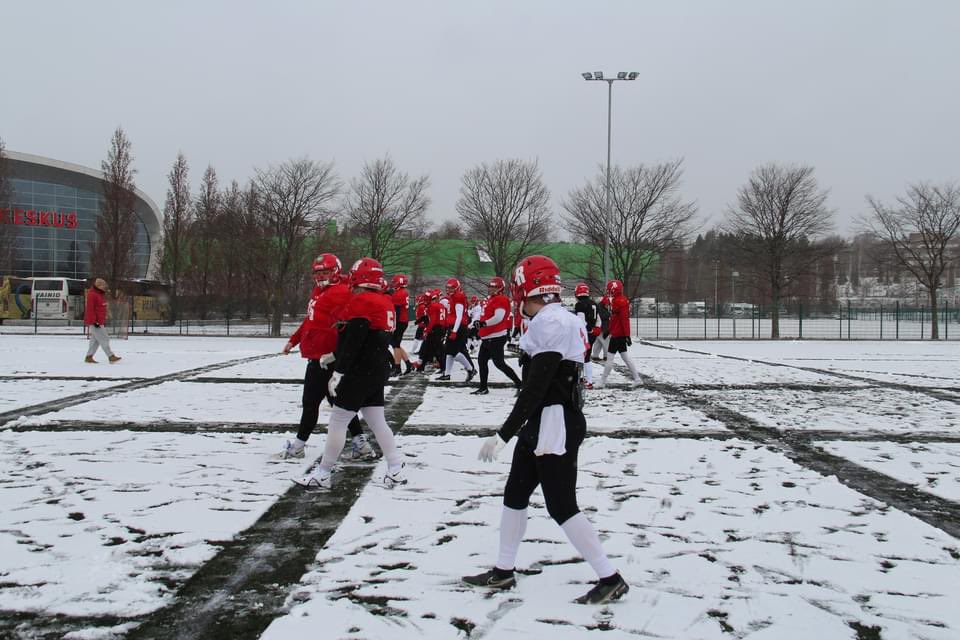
[[846, 322]]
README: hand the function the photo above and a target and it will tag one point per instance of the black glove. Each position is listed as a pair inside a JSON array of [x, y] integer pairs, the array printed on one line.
[[96, 324], [524, 359], [516, 331], [629, 341], [479, 323]]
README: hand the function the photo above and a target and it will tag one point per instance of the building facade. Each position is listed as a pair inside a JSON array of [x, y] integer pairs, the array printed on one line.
[[53, 213]]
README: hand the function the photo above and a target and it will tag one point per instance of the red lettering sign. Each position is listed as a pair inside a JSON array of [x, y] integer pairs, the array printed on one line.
[[31, 218]]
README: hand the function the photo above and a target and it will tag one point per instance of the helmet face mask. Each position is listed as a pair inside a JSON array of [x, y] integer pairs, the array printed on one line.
[[614, 288], [582, 290], [326, 269], [495, 286]]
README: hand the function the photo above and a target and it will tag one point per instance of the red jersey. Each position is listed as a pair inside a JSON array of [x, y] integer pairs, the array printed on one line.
[[436, 316], [95, 311], [317, 334], [496, 315], [376, 308], [457, 299], [421, 311], [402, 299], [620, 317]]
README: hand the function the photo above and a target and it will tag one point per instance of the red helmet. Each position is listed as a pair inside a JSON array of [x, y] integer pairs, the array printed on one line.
[[326, 262], [614, 288], [453, 285], [434, 294], [474, 300], [582, 290], [496, 285], [536, 276], [398, 281], [367, 273]]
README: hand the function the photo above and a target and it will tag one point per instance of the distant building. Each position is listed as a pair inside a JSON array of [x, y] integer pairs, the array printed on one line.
[[53, 209]]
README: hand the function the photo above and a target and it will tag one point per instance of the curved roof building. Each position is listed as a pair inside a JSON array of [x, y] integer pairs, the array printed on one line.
[[53, 210]]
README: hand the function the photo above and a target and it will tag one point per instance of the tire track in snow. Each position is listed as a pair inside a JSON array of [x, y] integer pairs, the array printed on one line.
[[799, 448], [237, 593]]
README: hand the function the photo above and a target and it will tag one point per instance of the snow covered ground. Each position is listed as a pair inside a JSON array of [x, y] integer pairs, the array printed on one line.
[[719, 536]]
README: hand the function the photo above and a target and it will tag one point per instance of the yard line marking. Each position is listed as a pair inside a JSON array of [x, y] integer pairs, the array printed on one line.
[[142, 383]]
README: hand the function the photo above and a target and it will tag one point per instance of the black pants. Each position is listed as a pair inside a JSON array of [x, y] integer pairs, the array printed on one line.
[[314, 391], [556, 474], [492, 349], [432, 347]]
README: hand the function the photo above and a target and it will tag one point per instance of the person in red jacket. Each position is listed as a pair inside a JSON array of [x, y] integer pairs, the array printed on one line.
[[433, 330], [619, 332], [361, 368], [493, 327], [95, 319], [401, 307], [457, 332], [420, 317], [317, 337]]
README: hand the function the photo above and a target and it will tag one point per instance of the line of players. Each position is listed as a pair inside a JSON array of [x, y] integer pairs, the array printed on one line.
[[448, 328]]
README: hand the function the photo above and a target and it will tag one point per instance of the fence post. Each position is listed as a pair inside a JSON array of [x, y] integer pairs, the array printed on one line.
[[753, 333], [848, 319], [946, 320], [678, 321], [897, 321], [881, 321], [656, 306], [921, 322], [704, 323], [800, 314], [718, 320]]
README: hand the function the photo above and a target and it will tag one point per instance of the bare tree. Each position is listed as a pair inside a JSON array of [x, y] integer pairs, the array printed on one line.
[[112, 252], [448, 230], [230, 232], [504, 206], [292, 199], [922, 232], [648, 219], [386, 210], [204, 254], [176, 219], [7, 239], [780, 214]]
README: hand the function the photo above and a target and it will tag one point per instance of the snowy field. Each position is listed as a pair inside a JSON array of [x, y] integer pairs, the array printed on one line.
[[744, 491]]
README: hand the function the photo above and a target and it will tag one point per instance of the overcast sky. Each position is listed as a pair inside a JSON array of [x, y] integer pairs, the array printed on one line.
[[865, 91]]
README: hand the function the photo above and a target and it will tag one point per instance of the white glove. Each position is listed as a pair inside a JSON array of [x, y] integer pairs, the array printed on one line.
[[491, 447], [334, 383], [326, 359]]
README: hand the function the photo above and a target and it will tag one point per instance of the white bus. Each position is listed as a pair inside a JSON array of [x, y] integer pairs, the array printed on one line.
[[58, 298]]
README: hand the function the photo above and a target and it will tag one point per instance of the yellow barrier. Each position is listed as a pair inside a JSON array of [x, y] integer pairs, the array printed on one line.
[[150, 308]]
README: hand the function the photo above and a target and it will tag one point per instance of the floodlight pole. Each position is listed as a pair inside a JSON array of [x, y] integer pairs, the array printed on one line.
[[608, 188]]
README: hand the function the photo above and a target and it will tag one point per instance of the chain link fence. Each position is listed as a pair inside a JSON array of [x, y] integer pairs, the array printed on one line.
[[671, 321]]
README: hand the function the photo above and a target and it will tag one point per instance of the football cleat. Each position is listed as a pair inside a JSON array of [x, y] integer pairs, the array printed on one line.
[[482, 391], [394, 478], [319, 479], [604, 592], [494, 578], [290, 451], [361, 449], [470, 374], [443, 377]]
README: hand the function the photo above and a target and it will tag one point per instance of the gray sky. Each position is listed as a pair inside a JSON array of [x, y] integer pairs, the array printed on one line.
[[865, 91]]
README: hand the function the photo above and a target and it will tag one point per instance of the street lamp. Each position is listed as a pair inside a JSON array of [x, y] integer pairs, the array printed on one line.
[[598, 76], [733, 303]]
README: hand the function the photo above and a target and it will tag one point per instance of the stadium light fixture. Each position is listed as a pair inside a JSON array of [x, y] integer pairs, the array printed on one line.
[[598, 75]]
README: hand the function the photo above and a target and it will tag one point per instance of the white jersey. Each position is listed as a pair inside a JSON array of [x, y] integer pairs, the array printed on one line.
[[475, 312], [555, 329]]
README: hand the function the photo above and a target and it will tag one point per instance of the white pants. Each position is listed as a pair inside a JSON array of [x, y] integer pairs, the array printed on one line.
[[98, 339]]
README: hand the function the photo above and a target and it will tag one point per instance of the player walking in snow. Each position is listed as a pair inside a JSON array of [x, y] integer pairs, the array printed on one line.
[[456, 345], [360, 372], [317, 337], [586, 308], [95, 319], [619, 332], [550, 426], [602, 343], [401, 307], [493, 326]]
